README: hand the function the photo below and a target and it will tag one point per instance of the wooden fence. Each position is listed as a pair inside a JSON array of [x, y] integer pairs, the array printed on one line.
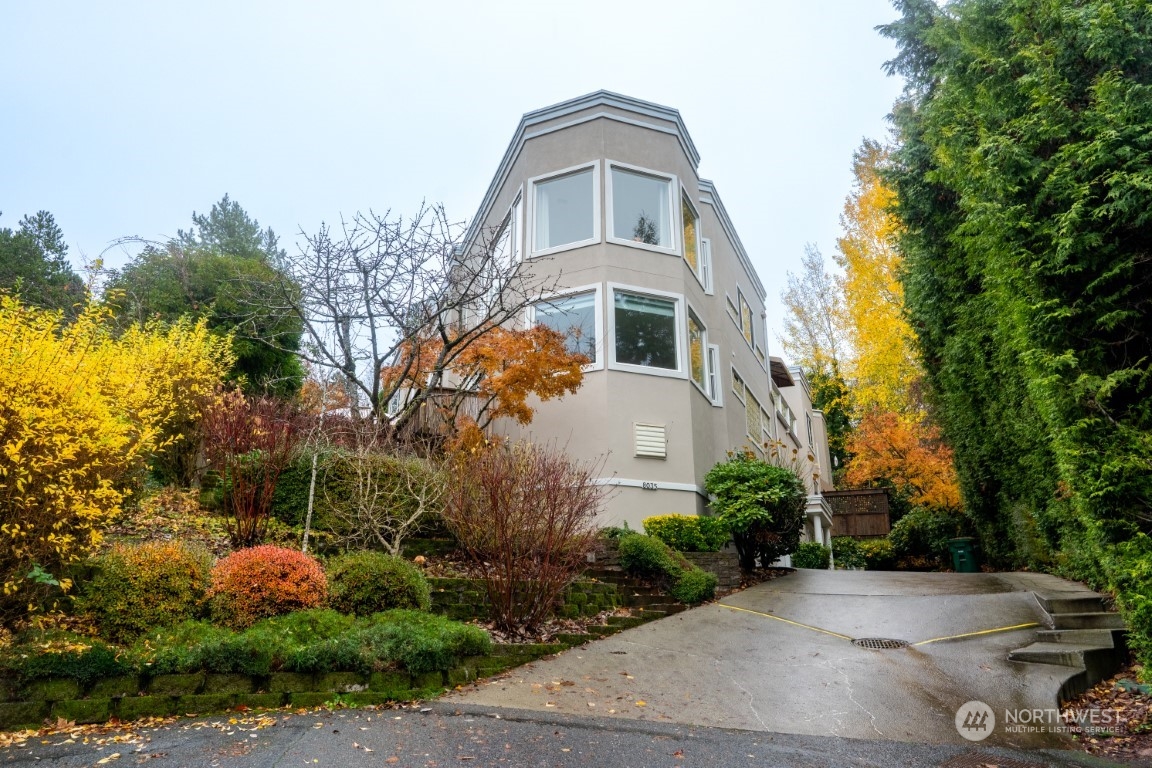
[[861, 514]]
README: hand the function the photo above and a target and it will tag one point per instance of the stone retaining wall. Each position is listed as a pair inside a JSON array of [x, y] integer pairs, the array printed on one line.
[[726, 566], [130, 697]]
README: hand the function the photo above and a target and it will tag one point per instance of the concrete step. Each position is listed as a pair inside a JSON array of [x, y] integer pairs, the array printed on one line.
[[1060, 654], [1086, 602], [1095, 620], [643, 600], [1100, 638]]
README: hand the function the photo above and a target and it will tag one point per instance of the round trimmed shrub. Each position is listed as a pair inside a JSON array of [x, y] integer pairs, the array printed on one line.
[[264, 581], [139, 587], [694, 586], [811, 554], [646, 556], [846, 552], [364, 583]]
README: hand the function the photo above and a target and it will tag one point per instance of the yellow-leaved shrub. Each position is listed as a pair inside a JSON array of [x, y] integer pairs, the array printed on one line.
[[81, 410]]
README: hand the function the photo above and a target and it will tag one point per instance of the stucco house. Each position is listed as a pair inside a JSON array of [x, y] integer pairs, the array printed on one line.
[[600, 194]]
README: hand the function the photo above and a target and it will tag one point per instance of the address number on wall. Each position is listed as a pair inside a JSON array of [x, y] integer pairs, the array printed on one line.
[[649, 486]]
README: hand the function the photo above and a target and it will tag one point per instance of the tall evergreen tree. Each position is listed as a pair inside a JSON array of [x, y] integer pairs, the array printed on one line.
[[1024, 183], [34, 263]]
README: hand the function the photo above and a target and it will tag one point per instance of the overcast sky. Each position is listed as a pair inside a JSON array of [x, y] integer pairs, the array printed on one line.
[[122, 118]]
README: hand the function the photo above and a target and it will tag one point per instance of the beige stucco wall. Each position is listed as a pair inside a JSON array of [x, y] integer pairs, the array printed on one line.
[[597, 422]]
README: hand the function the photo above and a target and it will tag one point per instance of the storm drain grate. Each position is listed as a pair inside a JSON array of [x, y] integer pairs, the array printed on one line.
[[879, 643], [979, 760]]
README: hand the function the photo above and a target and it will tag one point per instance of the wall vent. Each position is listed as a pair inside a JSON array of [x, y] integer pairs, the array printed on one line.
[[651, 441]]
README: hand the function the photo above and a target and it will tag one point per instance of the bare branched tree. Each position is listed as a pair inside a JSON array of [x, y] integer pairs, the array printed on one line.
[[376, 289], [380, 493], [814, 334]]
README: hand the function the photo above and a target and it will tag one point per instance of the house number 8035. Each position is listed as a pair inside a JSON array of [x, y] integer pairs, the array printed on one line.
[[648, 486]]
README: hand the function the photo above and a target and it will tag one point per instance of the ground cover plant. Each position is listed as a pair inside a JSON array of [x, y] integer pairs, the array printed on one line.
[[314, 641]]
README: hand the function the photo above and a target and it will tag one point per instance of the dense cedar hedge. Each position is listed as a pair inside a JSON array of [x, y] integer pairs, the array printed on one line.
[[1024, 181]]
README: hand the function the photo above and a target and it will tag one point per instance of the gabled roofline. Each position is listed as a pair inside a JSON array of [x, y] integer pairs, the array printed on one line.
[[530, 120], [709, 195]]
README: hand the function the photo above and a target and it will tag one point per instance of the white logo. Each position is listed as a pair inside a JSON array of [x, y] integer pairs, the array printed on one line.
[[975, 720]]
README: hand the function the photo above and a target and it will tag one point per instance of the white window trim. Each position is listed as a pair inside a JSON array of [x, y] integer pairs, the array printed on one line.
[[706, 262], [714, 380], [681, 332], [530, 233], [697, 273], [673, 216], [516, 212], [598, 290], [704, 342]]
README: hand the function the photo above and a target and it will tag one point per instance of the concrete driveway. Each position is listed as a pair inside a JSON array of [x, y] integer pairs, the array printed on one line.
[[778, 657]]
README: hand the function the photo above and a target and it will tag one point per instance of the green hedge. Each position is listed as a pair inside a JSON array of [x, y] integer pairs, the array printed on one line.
[[363, 583], [847, 553], [649, 557]]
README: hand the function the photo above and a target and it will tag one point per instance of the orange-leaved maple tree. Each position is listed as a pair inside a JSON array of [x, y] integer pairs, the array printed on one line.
[[495, 376], [908, 453]]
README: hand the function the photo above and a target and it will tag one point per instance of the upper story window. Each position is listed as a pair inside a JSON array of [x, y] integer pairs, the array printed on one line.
[[697, 352], [691, 224], [565, 210], [576, 317], [640, 208], [747, 324], [645, 335], [739, 388]]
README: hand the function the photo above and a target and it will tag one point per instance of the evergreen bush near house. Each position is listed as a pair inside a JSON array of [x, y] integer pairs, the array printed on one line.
[[651, 558], [877, 554], [762, 504], [646, 556], [812, 554], [694, 586], [846, 553], [140, 587], [363, 583], [689, 533], [260, 582]]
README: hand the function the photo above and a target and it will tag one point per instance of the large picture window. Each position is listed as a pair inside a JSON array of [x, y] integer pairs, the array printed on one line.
[[645, 331], [573, 317], [641, 209], [565, 210]]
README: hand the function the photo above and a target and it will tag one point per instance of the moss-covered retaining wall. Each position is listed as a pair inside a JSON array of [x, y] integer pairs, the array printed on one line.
[[464, 599], [130, 697]]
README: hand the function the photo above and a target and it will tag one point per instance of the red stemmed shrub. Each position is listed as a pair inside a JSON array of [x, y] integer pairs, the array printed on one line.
[[259, 582]]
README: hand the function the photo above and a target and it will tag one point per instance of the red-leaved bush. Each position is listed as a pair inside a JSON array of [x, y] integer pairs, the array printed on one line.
[[258, 582]]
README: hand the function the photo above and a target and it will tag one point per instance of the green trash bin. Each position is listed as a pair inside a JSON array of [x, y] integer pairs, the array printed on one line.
[[963, 555]]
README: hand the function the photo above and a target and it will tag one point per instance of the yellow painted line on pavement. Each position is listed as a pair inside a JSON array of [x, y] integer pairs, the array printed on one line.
[[788, 621], [976, 634]]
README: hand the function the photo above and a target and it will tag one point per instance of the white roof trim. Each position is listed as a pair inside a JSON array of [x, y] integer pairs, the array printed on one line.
[[597, 99], [710, 196]]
